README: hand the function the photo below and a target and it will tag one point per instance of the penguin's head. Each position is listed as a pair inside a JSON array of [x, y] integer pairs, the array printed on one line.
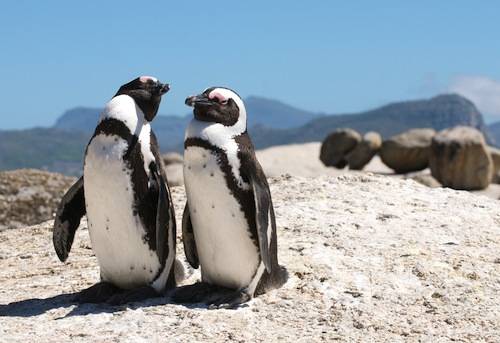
[[218, 105], [146, 92]]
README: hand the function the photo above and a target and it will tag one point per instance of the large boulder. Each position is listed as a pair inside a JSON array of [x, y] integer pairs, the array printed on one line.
[[172, 163], [337, 145], [460, 159], [408, 151], [175, 176], [364, 151], [172, 158], [495, 156]]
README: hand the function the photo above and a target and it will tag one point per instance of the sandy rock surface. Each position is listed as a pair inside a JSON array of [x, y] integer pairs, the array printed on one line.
[[303, 160], [371, 258]]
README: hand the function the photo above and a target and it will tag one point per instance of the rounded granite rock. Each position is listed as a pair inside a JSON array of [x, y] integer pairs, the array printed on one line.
[[337, 145], [460, 159], [408, 151], [362, 154]]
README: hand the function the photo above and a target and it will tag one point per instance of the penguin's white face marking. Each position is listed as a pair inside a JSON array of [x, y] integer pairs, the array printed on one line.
[[216, 133], [124, 109]]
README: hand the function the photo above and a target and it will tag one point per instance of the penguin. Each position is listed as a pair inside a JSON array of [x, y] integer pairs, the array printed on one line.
[[228, 224], [125, 196]]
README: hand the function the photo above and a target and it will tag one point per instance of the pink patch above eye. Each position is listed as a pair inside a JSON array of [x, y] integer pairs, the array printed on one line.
[[146, 78], [217, 95]]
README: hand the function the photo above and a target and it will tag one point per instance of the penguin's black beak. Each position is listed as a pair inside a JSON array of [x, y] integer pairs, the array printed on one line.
[[163, 88], [198, 100]]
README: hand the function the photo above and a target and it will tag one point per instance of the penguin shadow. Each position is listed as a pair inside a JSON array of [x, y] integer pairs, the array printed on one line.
[[36, 306], [196, 296]]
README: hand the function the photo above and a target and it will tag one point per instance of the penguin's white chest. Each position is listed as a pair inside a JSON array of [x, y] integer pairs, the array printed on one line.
[[227, 254], [116, 232]]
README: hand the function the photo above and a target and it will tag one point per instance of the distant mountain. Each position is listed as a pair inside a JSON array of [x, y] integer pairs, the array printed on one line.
[[79, 118], [270, 123], [494, 130], [275, 114], [43, 148], [439, 113]]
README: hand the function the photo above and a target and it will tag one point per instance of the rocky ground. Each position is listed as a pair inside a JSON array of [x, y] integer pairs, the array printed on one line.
[[371, 258], [29, 196]]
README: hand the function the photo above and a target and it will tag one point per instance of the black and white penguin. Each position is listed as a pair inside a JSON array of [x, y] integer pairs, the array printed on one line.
[[228, 224], [125, 195]]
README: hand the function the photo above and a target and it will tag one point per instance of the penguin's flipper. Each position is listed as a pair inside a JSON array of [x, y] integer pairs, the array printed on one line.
[[70, 211], [188, 239], [265, 219], [165, 221]]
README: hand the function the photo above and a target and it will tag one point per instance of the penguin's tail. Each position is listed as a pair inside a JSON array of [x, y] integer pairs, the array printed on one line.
[[179, 271], [281, 276]]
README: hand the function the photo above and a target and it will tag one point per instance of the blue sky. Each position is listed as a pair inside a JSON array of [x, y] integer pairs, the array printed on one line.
[[327, 56]]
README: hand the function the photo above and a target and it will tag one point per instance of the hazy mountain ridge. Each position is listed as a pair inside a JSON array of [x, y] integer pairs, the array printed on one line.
[[170, 129], [494, 130], [438, 112], [271, 122], [42, 148], [79, 118]]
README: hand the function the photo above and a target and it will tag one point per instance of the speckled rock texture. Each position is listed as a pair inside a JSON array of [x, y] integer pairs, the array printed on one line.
[[371, 259], [29, 196]]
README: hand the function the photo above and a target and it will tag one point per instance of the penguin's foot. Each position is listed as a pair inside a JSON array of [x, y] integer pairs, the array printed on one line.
[[133, 295], [194, 293], [98, 293], [229, 301]]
